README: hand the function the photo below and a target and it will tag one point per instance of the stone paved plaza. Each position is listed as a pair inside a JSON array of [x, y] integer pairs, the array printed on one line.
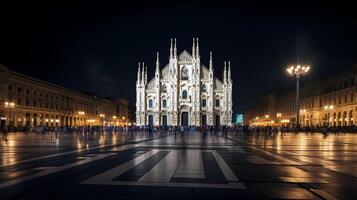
[[193, 166]]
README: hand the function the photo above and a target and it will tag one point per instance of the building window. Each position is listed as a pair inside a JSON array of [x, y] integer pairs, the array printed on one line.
[[204, 102], [34, 93], [19, 101], [9, 87], [204, 89], [184, 94], [217, 103], [19, 89], [164, 103], [27, 102], [27, 91], [34, 103], [164, 88], [184, 73], [150, 103]]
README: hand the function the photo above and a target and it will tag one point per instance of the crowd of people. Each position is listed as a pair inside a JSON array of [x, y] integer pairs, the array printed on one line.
[[150, 130], [88, 130]]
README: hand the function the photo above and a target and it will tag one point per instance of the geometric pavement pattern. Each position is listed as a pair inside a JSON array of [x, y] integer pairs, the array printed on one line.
[[194, 166]]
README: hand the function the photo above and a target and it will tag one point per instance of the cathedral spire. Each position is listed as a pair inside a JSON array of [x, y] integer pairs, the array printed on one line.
[[229, 71], [171, 50], [193, 49], [142, 74], [138, 78], [157, 71], [225, 72], [197, 49], [146, 74], [210, 62], [175, 50]]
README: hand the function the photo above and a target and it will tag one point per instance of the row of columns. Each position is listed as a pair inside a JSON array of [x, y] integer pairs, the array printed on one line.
[[40, 119], [339, 119]]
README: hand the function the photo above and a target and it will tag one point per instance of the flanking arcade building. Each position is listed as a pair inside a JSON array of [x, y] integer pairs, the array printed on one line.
[[184, 92]]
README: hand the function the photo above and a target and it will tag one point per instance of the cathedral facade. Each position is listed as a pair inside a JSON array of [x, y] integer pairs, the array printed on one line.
[[184, 92]]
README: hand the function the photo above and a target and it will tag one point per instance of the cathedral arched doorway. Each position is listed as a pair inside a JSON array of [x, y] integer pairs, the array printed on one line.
[[203, 120], [184, 119], [151, 120], [164, 120], [218, 120]]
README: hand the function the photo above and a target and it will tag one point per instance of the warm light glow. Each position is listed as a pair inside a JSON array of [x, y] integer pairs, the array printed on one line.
[[266, 116], [298, 69], [81, 112], [9, 104], [102, 115], [91, 120], [114, 117], [329, 107], [278, 114]]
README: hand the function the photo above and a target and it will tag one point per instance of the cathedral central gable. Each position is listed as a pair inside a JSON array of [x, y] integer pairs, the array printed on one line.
[[185, 57]]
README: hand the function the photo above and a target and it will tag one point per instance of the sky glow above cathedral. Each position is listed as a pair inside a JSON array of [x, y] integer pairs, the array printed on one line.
[[95, 47]]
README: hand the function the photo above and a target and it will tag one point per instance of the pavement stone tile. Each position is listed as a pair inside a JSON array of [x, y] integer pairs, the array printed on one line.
[[293, 166]]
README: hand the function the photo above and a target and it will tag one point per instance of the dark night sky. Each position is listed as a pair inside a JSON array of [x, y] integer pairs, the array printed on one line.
[[95, 46]]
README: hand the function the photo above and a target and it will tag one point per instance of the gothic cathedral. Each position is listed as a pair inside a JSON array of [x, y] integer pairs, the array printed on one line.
[[184, 92]]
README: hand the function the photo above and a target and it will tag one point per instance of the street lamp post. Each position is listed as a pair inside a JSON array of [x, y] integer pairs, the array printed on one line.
[[297, 71], [114, 120], [81, 113], [328, 108], [9, 106], [124, 121], [102, 118]]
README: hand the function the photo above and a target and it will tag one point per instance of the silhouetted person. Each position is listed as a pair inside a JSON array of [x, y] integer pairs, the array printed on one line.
[[5, 133]]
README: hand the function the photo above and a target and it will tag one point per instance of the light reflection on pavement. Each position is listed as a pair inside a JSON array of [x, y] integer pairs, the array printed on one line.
[[290, 166]]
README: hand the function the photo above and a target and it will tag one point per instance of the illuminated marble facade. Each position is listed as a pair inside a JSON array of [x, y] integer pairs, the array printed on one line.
[[184, 92]]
